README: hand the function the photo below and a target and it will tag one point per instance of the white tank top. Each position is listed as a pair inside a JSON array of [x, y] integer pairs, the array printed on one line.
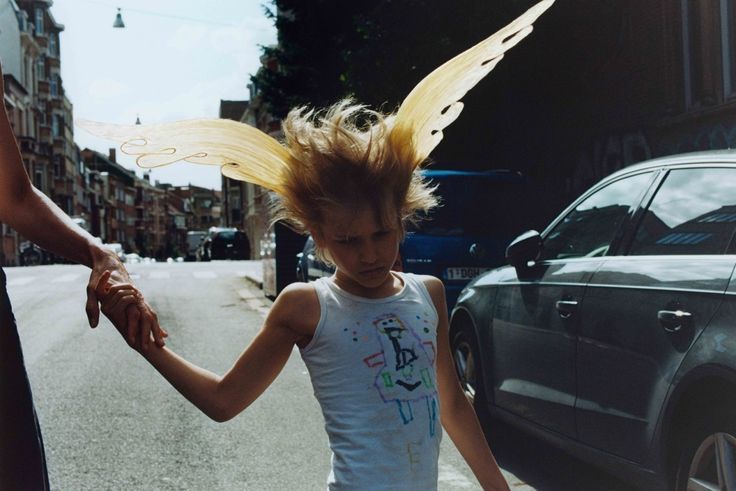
[[372, 366]]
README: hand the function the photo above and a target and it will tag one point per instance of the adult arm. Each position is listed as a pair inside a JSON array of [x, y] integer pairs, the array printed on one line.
[[457, 414], [36, 217]]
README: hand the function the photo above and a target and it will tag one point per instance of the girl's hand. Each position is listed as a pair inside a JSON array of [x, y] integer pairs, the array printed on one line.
[[147, 321], [122, 303]]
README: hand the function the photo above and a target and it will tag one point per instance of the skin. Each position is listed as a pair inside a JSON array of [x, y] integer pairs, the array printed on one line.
[[37, 218], [363, 252]]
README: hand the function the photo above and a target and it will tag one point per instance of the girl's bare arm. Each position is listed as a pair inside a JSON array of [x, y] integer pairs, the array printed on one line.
[[223, 397], [457, 414]]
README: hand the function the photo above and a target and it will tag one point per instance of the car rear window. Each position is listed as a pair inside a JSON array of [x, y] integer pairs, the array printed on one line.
[[475, 205], [693, 212]]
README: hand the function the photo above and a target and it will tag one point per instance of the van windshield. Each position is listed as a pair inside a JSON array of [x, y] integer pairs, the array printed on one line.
[[475, 205]]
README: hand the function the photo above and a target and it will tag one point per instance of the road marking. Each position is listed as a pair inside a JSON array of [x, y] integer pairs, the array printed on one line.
[[65, 278], [204, 275], [159, 275], [21, 281]]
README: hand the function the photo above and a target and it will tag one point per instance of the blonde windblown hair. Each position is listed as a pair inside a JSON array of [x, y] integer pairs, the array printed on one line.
[[343, 157], [346, 155]]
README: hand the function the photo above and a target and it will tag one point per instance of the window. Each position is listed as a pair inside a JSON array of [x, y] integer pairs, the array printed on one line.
[[694, 212], [39, 21], [54, 85], [41, 68], [709, 47], [589, 229], [38, 178], [53, 45], [55, 125]]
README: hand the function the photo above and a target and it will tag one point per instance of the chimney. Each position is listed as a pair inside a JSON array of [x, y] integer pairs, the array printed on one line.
[[147, 176], [112, 155]]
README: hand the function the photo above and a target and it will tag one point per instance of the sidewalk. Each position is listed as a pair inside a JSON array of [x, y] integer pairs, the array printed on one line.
[[254, 275]]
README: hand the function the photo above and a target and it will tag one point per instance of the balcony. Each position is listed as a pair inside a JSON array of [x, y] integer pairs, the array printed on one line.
[[27, 144]]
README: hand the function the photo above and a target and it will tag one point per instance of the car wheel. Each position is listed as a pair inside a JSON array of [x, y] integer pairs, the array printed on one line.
[[708, 456], [468, 367], [32, 258]]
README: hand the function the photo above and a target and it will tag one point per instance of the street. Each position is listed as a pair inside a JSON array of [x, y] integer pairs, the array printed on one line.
[[110, 422]]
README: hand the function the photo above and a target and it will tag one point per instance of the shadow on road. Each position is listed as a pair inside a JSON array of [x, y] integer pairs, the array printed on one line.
[[544, 467]]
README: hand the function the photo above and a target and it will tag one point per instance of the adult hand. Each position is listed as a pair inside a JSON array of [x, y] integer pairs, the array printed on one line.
[[141, 321]]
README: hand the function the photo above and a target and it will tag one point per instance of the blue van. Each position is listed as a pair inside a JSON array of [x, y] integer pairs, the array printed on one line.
[[480, 213]]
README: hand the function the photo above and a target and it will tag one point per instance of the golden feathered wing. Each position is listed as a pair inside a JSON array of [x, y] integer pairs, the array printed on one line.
[[435, 101], [246, 153], [242, 151]]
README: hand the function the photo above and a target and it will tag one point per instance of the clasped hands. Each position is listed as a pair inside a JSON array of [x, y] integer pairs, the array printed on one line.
[[124, 305]]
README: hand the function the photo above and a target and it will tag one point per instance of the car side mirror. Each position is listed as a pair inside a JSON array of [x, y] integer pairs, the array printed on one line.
[[524, 248]]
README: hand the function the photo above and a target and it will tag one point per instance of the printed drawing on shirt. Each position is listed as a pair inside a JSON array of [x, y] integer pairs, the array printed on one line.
[[405, 373]]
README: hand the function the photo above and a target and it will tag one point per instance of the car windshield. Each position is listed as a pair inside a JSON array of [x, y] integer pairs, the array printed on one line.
[[474, 205], [226, 235]]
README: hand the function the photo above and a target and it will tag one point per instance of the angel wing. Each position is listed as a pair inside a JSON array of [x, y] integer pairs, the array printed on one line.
[[242, 151], [435, 101]]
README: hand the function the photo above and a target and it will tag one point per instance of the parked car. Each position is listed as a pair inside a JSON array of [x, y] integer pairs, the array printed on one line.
[[308, 266], [224, 243], [466, 235], [612, 334], [30, 254], [194, 239], [479, 213]]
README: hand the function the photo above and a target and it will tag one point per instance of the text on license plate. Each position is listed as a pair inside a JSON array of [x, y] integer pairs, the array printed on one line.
[[464, 273]]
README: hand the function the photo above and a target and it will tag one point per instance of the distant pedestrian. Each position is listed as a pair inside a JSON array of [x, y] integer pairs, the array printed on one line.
[[375, 341], [36, 217]]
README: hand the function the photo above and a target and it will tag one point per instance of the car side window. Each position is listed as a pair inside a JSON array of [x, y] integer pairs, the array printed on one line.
[[589, 229], [693, 212]]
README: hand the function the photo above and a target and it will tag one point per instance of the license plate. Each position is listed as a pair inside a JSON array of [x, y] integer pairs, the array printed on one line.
[[464, 273]]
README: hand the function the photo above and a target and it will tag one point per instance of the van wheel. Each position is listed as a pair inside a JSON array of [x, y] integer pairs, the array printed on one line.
[[467, 366], [708, 455]]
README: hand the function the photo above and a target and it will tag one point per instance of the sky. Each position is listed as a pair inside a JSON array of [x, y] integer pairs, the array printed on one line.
[[160, 67]]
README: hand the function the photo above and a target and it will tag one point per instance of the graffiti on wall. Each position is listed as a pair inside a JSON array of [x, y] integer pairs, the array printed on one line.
[[607, 155], [713, 137]]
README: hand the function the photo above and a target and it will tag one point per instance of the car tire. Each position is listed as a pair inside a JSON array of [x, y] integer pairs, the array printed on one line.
[[707, 456], [466, 356]]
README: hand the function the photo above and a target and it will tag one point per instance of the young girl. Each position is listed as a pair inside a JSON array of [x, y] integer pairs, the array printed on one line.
[[375, 341]]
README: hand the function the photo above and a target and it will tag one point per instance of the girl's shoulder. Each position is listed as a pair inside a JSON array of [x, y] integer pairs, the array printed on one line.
[[297, 308], [433, 284], [435, 288]]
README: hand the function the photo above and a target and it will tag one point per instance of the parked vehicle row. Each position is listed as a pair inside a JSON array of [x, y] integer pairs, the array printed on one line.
[[463, 237], [612, 333], [223, 243]]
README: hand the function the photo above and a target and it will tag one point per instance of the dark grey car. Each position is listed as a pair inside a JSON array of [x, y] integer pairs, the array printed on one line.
[[613, 332]]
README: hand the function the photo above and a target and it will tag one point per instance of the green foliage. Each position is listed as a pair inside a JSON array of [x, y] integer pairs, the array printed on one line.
[[374, 50]]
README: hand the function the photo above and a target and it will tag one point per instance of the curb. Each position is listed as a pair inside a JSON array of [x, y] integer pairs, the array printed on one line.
[[254, 281]]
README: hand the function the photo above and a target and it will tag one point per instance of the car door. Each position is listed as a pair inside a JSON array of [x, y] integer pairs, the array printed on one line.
[[643, 311], [535, 319]]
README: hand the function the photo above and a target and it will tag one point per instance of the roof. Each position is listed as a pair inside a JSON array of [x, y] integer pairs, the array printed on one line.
[[703, 157], [232, 109]]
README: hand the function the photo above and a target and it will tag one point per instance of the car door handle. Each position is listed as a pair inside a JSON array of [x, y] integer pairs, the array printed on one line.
[[566, 308], [674, 320]]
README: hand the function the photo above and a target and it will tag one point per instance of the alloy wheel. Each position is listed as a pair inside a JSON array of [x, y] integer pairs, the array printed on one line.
[[465, 365], [713, 467]]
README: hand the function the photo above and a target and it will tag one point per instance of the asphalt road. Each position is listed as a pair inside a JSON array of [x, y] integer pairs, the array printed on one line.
[[110, 422]]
